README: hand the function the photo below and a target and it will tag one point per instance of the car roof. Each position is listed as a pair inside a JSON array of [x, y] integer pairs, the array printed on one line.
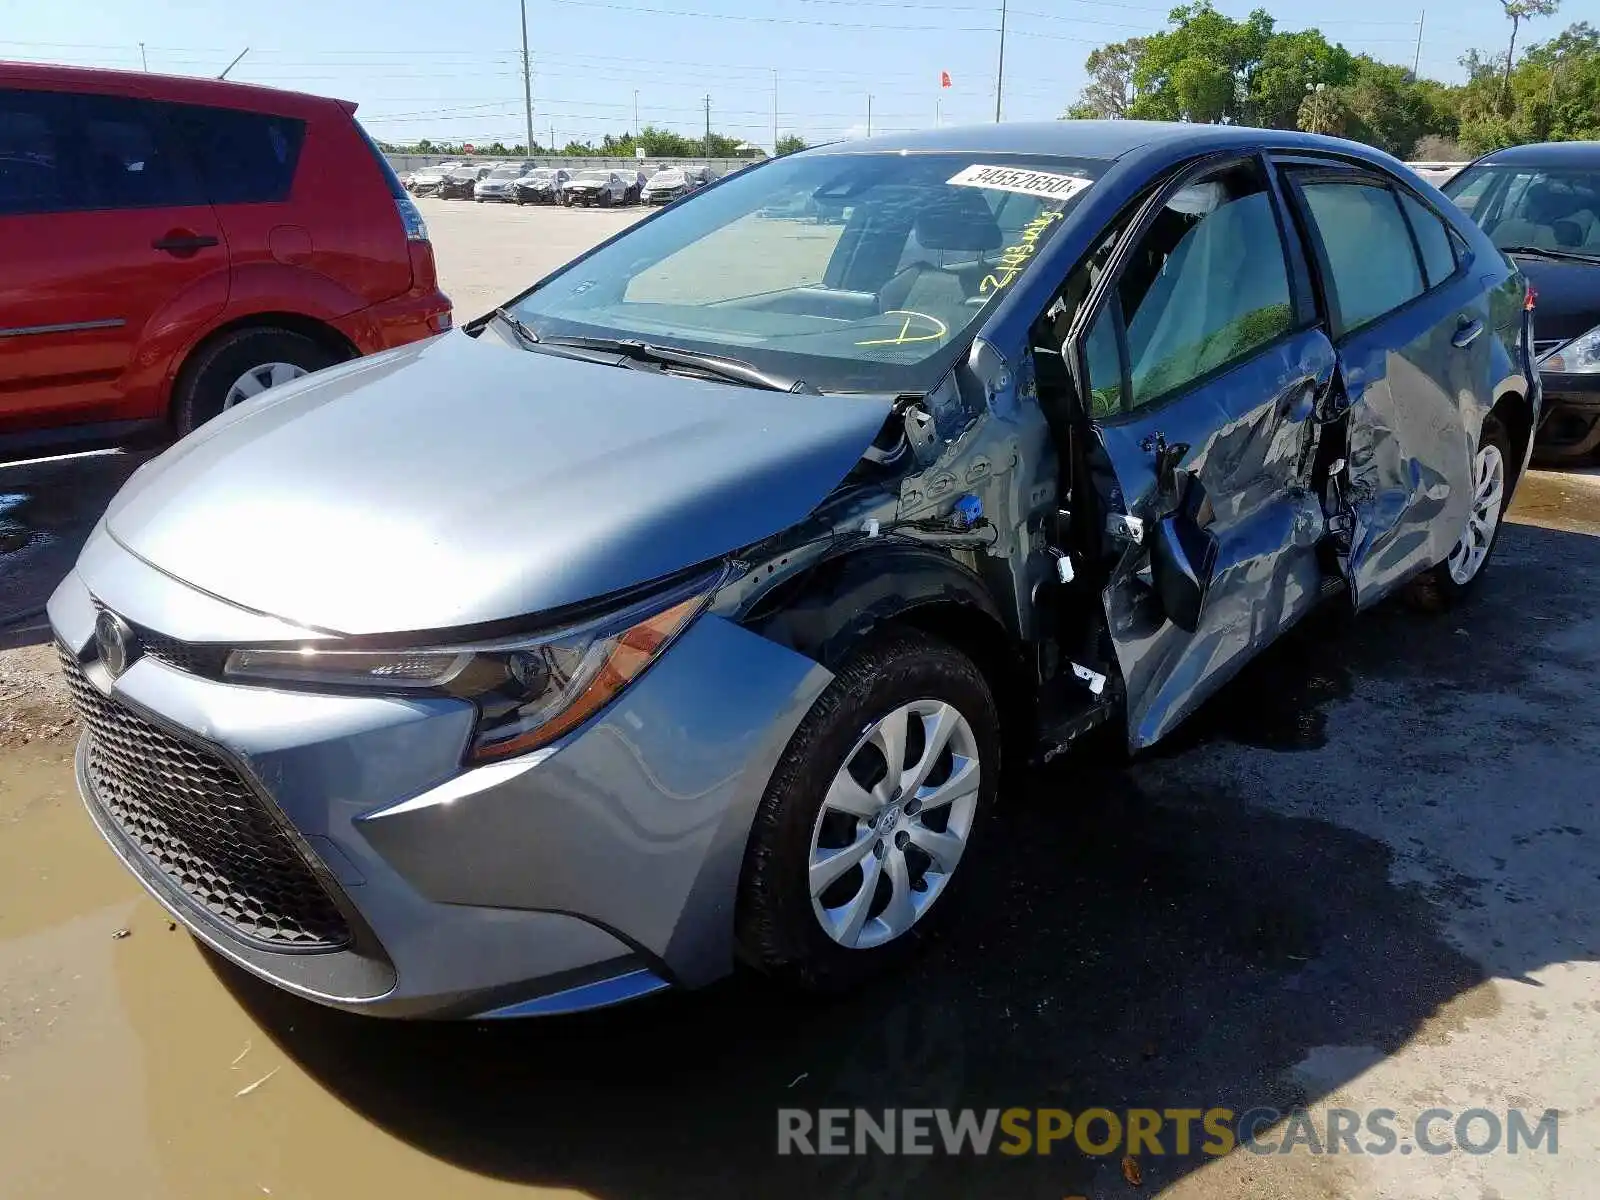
[[1547, 154], [1093, 139], [220, 93]]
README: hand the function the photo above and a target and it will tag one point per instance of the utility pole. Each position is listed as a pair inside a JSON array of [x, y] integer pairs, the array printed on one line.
[[143, 62], [869, 114], [708, 124], [636, 112], [1000, 69], [552, 137], [527, 77], [774, 112], [1416, 62]]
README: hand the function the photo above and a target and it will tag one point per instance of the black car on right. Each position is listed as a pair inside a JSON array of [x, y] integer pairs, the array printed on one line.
[[1540, 204]]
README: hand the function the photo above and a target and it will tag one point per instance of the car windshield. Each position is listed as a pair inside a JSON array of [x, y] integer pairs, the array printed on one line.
[[877, 294], [505, 173], [543, 175], [600, 176], [1554, 208], [465, 173]]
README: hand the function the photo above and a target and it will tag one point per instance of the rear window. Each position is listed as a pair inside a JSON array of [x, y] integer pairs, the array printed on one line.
[[396, 188], [242, 157]]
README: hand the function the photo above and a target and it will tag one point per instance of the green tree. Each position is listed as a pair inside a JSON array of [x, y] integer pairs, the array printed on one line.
[[1202, 68], [1110, 92], [1518, 11], [791, 143]]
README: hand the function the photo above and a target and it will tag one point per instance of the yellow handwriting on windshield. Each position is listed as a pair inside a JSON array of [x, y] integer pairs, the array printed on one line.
[[917, 327], [1017, 255]]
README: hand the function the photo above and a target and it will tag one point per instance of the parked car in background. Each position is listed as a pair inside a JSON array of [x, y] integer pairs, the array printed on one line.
[[542, 185], [425, 181], [461, 183], [672, 182], [696, 637], [599, 188], [636, 181], [1541, 205], [171, 247], [497, 184]]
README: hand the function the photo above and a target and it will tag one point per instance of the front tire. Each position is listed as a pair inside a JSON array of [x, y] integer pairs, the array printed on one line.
[[240, 365], [1452, 581], [855, 847]]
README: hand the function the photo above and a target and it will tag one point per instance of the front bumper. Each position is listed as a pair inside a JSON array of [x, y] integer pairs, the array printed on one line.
[[594, 870], [1571, 427]]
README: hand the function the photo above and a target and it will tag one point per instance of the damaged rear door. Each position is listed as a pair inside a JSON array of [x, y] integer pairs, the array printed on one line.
[[1408, 322], [1202, 361]]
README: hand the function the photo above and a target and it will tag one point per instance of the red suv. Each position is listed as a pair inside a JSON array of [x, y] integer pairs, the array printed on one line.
[[170, 247]]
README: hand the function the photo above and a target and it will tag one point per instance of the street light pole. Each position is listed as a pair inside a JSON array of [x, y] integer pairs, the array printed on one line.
[[527, 76], [635, 112], [869, 114], [774, 112]]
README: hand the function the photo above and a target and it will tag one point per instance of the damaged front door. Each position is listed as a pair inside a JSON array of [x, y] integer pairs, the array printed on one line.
[[1408, 322], [1202, 367]]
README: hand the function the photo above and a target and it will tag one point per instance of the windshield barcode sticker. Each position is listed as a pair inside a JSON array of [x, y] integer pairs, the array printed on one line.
[[1013, 179]]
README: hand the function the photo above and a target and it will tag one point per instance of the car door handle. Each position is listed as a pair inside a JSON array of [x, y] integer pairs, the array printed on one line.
[[1467, 331], [178, 242]]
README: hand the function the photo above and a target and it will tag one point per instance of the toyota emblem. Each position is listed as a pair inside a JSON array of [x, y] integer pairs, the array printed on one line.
[[115, 641]]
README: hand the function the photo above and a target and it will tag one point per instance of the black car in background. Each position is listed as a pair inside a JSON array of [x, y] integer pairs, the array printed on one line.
[[1540, 205], [542, 185], [461, 183]]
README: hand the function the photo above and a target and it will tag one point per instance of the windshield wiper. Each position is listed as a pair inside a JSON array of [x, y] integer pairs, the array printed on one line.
[[733, 370], [521, 328], [1546, 252]]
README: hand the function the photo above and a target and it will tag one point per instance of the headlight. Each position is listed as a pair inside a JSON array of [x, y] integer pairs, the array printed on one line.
[[529, 692], [1580, 356]]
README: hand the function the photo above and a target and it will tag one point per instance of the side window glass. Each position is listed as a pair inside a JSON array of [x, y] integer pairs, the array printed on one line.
[[1438, 259], [124, 163], [1371, 265], [34, 140], [243, 157], [1101, 351], [1206, 285]]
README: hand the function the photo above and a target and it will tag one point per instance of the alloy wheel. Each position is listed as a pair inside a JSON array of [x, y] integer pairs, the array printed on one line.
[[1488, 499], [258, 379], [894, 824]]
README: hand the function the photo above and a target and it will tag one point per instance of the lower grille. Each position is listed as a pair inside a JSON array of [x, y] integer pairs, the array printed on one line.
[[202, 827]]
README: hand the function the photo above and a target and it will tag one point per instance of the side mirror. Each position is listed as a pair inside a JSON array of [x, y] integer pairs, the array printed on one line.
[[1183, 555]]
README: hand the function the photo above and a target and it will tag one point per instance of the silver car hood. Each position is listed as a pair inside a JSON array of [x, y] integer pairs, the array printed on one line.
[[458, 481]]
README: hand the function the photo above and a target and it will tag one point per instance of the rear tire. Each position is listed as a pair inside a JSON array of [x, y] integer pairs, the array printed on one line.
[[1449, 583], [927, 702], [203, 387]]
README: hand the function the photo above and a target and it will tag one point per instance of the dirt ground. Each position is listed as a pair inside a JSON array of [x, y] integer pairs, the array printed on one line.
[[1366, 876]]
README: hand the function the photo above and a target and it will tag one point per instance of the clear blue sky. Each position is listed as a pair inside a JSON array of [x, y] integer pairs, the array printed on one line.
[[452, 69]]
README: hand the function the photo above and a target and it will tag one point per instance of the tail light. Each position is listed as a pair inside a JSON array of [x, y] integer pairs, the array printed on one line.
[[1530, 298], [411, 217]]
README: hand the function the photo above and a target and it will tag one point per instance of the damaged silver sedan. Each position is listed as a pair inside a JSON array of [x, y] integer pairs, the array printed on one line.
[[695, 635]]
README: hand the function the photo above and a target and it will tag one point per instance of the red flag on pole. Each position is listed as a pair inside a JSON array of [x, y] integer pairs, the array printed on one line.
[[944, 79]]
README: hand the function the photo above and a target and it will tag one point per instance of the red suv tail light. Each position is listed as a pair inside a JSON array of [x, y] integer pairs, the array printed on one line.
[[411, 217]]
